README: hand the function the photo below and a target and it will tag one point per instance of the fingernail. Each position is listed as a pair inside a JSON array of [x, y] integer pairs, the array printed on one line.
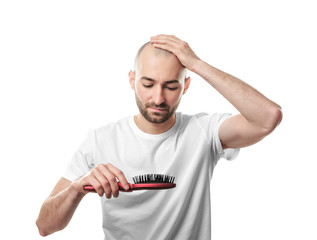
[[127, 187]]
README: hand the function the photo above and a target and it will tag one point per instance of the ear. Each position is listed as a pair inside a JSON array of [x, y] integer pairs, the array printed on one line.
[[187, 83], [132, 79]]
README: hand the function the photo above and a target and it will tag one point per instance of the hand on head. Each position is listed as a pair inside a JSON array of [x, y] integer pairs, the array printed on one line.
[[178, 47]]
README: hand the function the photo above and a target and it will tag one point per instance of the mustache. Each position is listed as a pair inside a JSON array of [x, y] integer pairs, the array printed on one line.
[[160, 106]]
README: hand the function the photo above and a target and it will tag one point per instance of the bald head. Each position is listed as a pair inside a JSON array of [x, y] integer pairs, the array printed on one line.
[[156, 51], [150, 51]]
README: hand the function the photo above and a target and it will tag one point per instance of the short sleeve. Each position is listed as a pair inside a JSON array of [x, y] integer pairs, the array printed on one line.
[[211, 125], [229, 153], [83, 159]]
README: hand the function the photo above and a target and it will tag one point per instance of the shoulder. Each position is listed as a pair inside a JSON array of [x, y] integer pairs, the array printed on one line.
[[192, 117], [207, 124], [112, 127], [205, 118]]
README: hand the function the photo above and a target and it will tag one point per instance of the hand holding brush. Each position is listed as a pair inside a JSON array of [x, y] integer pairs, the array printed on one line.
[[146, 182], [109, 180]]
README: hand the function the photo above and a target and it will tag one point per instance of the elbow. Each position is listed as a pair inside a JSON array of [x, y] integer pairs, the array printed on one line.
[[274, 118], [42, 231], [43, 234], [45, 230]]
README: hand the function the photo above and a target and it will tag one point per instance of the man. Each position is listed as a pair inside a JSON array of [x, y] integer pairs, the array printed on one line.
[[161, 140]]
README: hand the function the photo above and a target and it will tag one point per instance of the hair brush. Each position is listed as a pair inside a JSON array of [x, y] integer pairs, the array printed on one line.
[[146, 182]]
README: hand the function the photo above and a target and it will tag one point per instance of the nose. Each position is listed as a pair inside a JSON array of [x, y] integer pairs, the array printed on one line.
[[158, 95]]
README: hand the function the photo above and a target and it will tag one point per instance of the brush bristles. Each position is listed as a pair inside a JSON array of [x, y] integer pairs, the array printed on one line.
[[153, 178]]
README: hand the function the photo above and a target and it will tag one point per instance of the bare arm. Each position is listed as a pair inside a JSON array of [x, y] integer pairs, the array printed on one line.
[[58, 209], [258, 115]]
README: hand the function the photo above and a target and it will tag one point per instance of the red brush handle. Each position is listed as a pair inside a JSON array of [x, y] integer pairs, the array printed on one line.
[[92, 189], [139, 186]]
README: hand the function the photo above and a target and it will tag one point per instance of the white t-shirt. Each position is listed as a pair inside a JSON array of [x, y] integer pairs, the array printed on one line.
[[188, 151]]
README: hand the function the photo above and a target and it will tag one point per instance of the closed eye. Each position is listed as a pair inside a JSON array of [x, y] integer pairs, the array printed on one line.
[[172, 88], [147, 85]]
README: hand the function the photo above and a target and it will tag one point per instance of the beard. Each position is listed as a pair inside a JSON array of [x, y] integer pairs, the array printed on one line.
[[156, 117]]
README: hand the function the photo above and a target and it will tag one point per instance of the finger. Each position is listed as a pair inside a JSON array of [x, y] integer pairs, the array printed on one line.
[[119, 174], [166, 39], [102, 185], [171, 45], [97, 185], [165, 36], [165, 44], [108, 181], [162, 46]]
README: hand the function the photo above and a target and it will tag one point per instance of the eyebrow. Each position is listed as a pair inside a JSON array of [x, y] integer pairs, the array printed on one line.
[[152, 80]]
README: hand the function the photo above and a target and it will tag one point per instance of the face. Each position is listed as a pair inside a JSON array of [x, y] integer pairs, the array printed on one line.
[[159, 83]]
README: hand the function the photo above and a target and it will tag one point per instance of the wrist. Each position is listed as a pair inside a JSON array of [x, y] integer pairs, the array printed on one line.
[[75, 191], [197, 65]]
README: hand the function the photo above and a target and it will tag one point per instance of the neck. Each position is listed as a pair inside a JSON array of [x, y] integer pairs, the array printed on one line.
[[154, 128]]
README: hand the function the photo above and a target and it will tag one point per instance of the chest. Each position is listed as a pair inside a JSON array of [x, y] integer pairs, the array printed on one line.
[[137, 156]]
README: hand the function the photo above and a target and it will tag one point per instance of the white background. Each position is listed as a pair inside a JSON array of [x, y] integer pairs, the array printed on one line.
[[64, 70]]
